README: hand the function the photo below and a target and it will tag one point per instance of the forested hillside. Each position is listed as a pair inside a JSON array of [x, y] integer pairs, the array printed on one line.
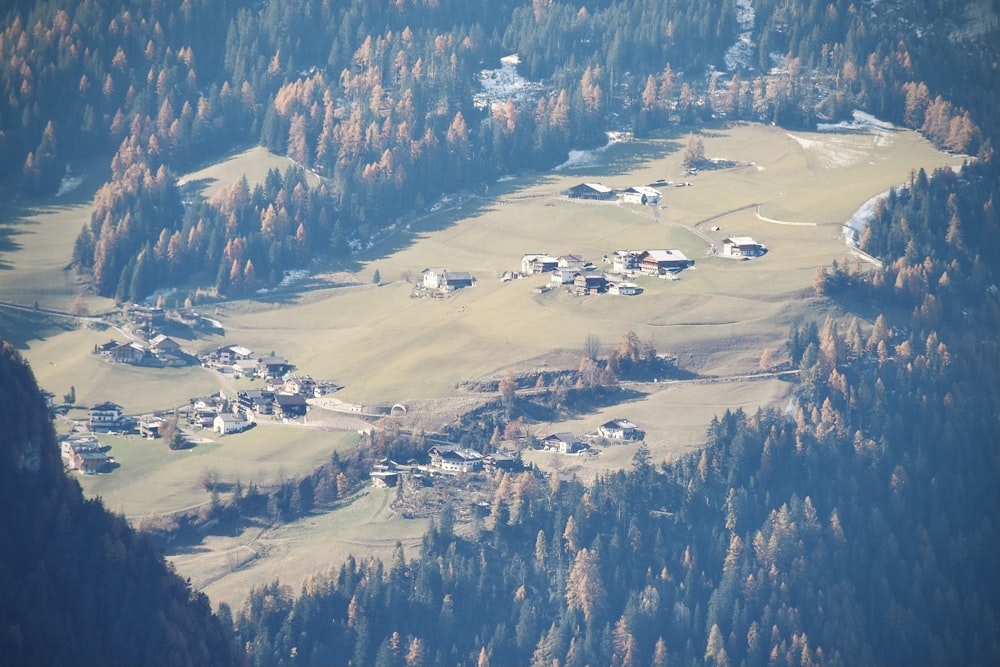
[[79, 586], [379, 100], [855, 528]]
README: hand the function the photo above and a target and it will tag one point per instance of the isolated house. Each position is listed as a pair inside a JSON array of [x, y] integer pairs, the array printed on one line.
[[619, 429], [742, 246], [443, 280]]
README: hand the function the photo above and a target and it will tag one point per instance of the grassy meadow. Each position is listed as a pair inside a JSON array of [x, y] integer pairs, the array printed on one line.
[[385, 346]]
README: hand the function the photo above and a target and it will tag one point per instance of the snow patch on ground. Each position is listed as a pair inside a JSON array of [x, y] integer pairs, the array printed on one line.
[[499, 85], [847, 142], [68, 183], [860, 122], [588, 158], [740, 55]]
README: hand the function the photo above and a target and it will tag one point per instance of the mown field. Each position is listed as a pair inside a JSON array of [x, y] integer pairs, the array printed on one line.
[[386, 347]]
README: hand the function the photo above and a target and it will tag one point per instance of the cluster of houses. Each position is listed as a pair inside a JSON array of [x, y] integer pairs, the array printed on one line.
[[583, 277], [449, 458], [283, 396], [160, 351], [444, 458]]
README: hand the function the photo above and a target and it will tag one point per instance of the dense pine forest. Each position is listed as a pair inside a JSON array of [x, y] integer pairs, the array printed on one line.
[[379, 100], [855, 528], [80, 587]]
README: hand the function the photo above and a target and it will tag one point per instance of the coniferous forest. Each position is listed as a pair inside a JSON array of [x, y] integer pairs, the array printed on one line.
[[856, 527], [379, 100], [80, 587]]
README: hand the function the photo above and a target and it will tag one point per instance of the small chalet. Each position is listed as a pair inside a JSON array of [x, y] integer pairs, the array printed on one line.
[[533, 263], [224, 356], [623, 288], [276, 367], [242, 368], [619, 429], [641, 194], [572, 262], [452, 458], [161, 345], [661, 262], [443, 280], [229, 423], [293, 384], [501, 461], [105, 417], [84, 453], [742, 246], [325, 388], [127, 353], [106, 348], [151, 427], [591, 191], [385, 473], [255, 402], [590, 282], [625, 261], [564, 443], [89, 462], [289, 406], [147, 318]]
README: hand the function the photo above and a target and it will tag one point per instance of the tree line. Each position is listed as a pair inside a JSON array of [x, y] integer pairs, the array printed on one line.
[[378, 100], [745, 552]]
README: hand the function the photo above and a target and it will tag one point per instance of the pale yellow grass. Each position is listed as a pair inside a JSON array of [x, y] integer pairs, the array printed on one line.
[[387, 347], [226, 568], [156, 480], [675, 418]]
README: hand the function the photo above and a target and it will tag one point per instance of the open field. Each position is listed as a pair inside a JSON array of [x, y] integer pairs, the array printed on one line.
[[225, 568], [386, 347], [155, 479]]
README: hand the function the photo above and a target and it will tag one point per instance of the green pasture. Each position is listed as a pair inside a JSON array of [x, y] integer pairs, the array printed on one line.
[[153, 479]]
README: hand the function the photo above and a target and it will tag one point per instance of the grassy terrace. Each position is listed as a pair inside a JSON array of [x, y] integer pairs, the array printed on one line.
[[386, 346]]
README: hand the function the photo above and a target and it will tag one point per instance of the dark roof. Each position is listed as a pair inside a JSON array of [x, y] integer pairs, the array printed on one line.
[[289, 400], [107, 405]]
